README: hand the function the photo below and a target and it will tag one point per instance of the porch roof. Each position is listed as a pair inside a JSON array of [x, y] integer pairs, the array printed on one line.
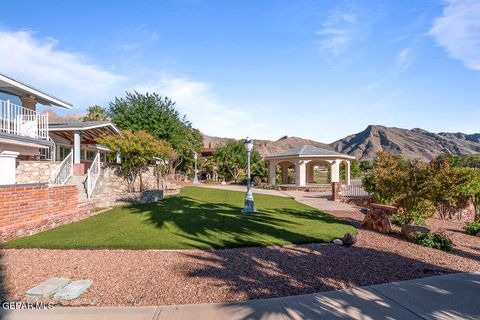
[[24, 141], [91, 130], [21, 89], [309, 151]]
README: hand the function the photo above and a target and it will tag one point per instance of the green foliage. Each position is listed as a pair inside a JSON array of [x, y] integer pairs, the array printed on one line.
[[354, 170], [231, 160], [157, 115], [137, 150], [96, 113], [472, 227], [365, 166], [436, 240], [398, 219]]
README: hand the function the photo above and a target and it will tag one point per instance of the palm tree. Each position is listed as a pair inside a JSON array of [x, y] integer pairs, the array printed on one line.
[[95, 113]]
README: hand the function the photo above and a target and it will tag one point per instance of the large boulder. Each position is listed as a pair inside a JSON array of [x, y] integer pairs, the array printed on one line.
[[411, 232], [378, 218]]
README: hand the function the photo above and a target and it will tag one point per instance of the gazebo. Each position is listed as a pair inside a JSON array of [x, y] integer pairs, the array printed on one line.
[[304, 159]]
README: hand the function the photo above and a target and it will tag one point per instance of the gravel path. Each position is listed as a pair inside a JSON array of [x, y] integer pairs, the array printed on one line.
[[154, 277]]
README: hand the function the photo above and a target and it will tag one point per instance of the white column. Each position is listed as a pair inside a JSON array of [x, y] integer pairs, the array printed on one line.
[[347, 173], [271, 172], [300, 173], [8, 164], [335, 171], [77, 138]]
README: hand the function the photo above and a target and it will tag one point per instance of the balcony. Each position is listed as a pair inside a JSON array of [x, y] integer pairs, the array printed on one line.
[[20, 121]]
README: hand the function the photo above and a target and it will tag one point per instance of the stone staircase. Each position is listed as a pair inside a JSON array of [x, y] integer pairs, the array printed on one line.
[[79, 181]]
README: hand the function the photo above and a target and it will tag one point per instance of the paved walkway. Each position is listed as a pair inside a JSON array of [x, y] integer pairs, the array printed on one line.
[[453, 296]]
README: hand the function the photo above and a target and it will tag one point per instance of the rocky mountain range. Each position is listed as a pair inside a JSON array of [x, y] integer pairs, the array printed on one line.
[[414, 143]]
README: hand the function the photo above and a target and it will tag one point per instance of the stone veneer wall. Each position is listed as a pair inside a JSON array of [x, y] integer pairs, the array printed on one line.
[[27, 209], [109, 182], [35, 171]]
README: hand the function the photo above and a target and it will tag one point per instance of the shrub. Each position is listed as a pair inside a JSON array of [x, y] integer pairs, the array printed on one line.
[[472, 227], [398, 219], [436, 240]]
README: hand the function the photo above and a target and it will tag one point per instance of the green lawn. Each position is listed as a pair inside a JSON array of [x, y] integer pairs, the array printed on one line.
[[195, 218]]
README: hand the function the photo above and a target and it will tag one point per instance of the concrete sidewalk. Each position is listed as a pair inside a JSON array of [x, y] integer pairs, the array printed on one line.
[[453, 296]]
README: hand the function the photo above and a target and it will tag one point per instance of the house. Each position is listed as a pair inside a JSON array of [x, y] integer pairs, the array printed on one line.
[[24, 132]]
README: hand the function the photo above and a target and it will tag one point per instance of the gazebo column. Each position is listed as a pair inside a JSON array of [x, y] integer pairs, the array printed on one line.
[[335, 171], [347, 173], [300, 173], [284, 169], [310, 169], [272, 172]]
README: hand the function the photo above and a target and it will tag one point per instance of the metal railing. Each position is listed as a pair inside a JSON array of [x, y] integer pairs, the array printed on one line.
[[354, 191], [21, 121], [64, 171], [93, 174]]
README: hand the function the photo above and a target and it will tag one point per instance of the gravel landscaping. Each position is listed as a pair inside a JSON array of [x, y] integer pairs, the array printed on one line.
[[156, 277]]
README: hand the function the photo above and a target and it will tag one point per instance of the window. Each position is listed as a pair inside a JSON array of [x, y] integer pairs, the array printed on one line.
[[64, 151], [90, 155]]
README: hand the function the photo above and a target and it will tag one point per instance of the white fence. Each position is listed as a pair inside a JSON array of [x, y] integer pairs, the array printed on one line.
[[64, 171], [354, 191], [21, 121], [92, 175]]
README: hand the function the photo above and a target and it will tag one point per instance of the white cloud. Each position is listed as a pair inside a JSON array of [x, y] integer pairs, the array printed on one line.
[[339, 30], [196, 100], [64, 74], [458, 31], [404, 59]]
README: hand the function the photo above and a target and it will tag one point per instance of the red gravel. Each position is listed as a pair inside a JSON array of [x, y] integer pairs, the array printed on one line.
[[153, 277]]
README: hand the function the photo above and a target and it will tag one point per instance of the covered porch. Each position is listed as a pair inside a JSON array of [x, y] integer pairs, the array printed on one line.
[[308, 166], [79, 140]]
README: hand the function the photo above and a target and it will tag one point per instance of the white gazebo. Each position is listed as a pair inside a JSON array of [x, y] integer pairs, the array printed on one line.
[[303, 160]]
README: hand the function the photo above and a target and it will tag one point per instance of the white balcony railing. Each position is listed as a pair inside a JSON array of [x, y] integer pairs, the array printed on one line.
[[21, 121]]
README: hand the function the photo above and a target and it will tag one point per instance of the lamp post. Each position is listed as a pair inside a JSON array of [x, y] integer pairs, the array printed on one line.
[[195, 177], [249, 204]]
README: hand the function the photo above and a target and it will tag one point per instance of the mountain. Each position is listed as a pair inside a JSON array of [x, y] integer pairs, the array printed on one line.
[[415, 143]]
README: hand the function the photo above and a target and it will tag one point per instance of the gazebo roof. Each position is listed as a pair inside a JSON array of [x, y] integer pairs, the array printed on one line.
[[309, 151]]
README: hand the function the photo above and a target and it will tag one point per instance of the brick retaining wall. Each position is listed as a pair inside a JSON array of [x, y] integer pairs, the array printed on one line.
[[27, 209]]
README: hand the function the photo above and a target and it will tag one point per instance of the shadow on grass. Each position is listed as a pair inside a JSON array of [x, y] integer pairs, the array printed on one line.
[[221, 224]]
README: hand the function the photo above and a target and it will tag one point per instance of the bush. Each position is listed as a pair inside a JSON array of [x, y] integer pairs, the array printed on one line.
[[472, 227], [437, 240], [398, 219]]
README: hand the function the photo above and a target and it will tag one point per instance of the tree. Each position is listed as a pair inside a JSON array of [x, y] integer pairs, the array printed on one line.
[[158, 116], [95, 113], [136, 150], [231, 160], [366, 166]]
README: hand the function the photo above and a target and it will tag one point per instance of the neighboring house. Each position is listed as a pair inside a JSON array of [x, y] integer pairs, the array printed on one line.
[[23, 131]]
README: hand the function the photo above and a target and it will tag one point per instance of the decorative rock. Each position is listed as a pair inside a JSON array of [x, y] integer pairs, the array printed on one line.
[[377, 218], [338, 241], [410, 232], [478, 234], [349, 239]]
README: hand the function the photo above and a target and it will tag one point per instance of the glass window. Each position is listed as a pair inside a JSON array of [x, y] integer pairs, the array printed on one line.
[[64, 151]]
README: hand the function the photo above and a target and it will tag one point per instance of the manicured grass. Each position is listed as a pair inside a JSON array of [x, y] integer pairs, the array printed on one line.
[[195, 218]]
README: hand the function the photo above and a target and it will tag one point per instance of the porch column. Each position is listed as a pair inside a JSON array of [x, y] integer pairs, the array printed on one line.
[[335, 171], [347, 173], [300, 173], [271, 172], [8, 164], [77, 138], [284, 169]]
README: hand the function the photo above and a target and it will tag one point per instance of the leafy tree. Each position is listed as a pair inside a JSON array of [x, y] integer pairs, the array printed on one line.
[[95, 113], [136, 150], [366, 166], [232, 161], [158, 116], [354, 170]]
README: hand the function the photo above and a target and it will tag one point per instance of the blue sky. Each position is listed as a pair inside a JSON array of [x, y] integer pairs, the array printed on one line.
[[315, 69]]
